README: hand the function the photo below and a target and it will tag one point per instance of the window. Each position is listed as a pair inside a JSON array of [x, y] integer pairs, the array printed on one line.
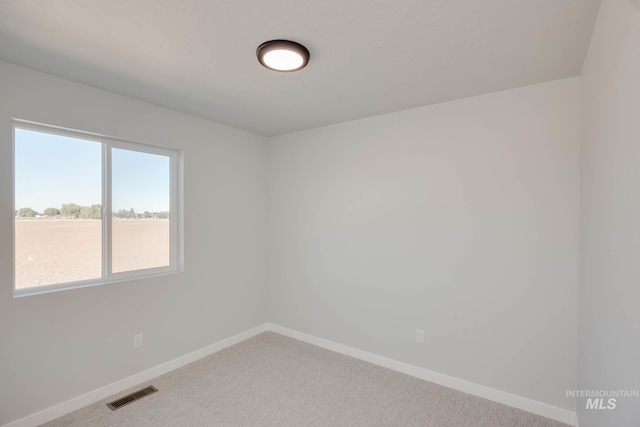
[[91, 209]]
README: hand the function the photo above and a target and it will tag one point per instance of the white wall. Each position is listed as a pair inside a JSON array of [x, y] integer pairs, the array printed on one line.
[[57, 346], [459, 218], [609, 337]]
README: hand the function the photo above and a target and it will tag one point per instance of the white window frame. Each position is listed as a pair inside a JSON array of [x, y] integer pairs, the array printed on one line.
[[175, 206]]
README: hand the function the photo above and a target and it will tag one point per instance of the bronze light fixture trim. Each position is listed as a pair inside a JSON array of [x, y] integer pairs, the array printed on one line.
[[283, 55]]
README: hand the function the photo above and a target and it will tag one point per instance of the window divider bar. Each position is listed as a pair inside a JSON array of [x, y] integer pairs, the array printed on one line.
[[108, 214]]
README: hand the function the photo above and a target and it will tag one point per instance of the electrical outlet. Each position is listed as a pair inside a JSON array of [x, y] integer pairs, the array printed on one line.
[[420, 336], [137, 340]]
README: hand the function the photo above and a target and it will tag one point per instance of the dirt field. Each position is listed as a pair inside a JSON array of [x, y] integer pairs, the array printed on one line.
[[57, 251]]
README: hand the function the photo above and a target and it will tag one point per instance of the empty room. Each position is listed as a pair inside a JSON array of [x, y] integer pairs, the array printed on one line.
[[320, 213]]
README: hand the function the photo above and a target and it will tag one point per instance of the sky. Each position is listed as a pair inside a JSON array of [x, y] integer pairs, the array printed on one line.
[[52, 170]]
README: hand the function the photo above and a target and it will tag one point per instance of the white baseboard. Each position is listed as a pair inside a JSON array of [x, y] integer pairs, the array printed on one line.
[[523, 403], [125, 383], [519, 402]]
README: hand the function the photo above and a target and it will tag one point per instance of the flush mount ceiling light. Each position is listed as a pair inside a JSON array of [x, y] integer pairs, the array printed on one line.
[[282, 55]]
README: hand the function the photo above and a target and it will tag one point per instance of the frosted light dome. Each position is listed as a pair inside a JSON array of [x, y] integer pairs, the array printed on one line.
[[282, 55]]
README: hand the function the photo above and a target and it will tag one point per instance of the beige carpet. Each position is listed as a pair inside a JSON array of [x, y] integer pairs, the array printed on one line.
[[272, 380]]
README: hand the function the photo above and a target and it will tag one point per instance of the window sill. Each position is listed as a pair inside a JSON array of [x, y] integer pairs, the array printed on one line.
[[47, 289]]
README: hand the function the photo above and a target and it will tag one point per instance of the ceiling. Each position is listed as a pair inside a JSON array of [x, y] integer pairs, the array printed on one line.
[[368, 57]]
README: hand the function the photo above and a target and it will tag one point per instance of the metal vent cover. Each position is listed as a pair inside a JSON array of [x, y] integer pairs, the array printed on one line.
[[119, 403]]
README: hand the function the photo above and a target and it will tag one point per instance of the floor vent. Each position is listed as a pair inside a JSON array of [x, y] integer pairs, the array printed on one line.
[[117, 404]]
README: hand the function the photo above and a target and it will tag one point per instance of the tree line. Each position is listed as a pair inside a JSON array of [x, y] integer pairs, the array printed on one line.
[[74, 211]]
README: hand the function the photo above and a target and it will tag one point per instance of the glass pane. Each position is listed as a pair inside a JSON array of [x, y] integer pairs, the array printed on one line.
[[141, 204], [58, 217]]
